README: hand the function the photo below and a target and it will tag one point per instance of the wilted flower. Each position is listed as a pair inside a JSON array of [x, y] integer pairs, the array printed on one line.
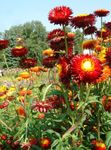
[[60, 15], [83, 20], [101, 12], [85, 68]]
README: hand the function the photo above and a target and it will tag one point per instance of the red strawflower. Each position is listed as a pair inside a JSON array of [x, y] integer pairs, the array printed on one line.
[[108, 56], [85, 68], [98, 145], [108, 25], [45, 142], [103, 34], [89, 44], [52, 102], [60, 15], [4, 104], [28, 62], [64, 70], [106, 101], [3, 44], [49, 62], [83, 20], [90, 30], [55, 33], [19, 51], [101, 12]]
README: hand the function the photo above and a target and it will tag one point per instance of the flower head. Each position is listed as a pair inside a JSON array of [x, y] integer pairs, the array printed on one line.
[[90, 30], [108, 25], [28, 62], [49, 62], [60, 15], [108, 56], [55, 33], [19, 51], [104, 33], [85, 68], [48, 52], [89, 44], [101, 12], [64, 70], [83, 20], [3, 44]]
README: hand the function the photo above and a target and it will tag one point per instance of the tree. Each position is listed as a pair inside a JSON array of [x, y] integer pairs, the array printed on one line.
[[34, 35]]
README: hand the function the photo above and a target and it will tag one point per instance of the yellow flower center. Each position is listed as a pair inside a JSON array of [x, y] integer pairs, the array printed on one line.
[[59, 67], [83, 15], [87, 65]]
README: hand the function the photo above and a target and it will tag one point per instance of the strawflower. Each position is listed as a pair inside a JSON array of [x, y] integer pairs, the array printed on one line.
[[101, 12]]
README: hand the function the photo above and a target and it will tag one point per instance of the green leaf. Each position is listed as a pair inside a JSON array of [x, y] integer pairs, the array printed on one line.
[[108, 139]]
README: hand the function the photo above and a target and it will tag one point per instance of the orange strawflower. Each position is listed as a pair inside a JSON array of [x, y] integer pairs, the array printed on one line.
[[25, 75], [89, 44], [48, 52]]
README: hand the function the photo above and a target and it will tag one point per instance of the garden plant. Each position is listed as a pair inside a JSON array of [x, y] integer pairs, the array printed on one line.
[[64, 103]]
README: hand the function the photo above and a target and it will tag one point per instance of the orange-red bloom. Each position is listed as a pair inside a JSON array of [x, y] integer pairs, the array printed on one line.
[[83, 20], [89, 44], [108, 25], [85, 68], [19, 51], [28, 62], [60, 15], [101, 12], [3, 44], [103, 34]]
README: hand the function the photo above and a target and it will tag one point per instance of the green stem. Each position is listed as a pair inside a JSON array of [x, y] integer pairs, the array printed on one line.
[[98, 124], [101, 30], [65, 36]]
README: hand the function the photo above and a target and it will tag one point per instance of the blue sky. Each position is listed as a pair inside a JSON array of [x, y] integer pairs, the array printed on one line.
[[15, 12]]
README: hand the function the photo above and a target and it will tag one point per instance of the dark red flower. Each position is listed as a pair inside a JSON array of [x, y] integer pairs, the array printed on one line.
[[3, 44], [101, 12], [45, 142], [19, 51], [90, 30], [104, 34], [55, 33], [52, 102], [4, 104], [83, 20], [64, 70], [108, 25], [28, 62], [49, 62], [85, 68], [89, 44], [108, 56], [60, 15], [106, 101]]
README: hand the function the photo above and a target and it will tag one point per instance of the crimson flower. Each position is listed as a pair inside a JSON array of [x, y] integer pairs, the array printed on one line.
[[60, 15], [49, 62], [108, 56], [19, 51], [89, 44], [52, 102], [28, 62], [83, 20], [3, 44], [90, 30], [64, 70], [55, 33], [103, 34], [85, 68], [108, 25], [101, 12]]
